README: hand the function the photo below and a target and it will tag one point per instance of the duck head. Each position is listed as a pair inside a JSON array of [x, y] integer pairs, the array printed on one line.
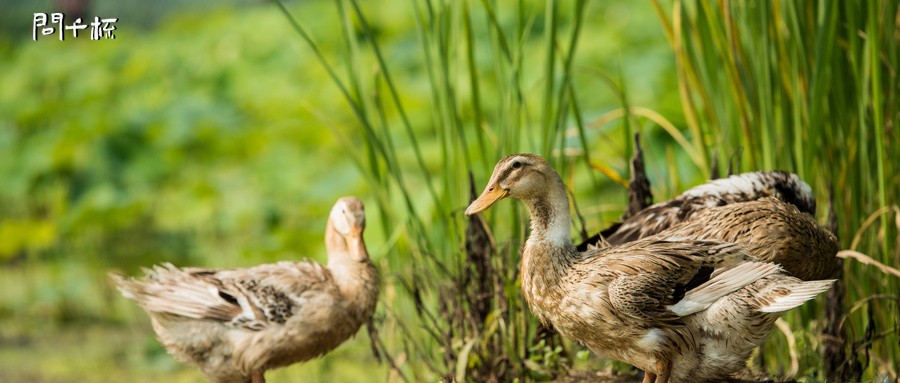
[[521, 176], [346, 224]]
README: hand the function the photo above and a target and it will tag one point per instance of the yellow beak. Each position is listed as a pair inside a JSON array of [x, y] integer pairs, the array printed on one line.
[[490, 196]]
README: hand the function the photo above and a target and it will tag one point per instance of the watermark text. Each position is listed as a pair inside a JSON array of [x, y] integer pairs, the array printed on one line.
[[53, 24]]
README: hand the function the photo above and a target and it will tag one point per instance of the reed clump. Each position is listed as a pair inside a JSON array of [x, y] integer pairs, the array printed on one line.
[[805, 86]]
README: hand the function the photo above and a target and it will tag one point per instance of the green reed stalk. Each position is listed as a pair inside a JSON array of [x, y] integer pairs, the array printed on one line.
[[805, 79]]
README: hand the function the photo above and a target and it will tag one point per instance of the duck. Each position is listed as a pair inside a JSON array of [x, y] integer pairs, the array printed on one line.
[[646, 302], [784, 186], [235, 324]]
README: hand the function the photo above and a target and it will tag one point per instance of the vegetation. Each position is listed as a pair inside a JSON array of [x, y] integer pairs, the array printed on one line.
[[224, 142]]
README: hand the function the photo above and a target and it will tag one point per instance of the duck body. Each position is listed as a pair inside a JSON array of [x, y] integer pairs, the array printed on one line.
[[771, 230], [619, 302], [623, 303], [783, 186], [236, 324], [659, 303]]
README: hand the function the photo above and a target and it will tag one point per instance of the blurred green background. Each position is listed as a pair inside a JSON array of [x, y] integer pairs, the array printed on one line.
[[207, 133]]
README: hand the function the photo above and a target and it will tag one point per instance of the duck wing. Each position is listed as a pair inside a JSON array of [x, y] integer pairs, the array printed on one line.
[[661, 281], [252, 298], [772, 231]]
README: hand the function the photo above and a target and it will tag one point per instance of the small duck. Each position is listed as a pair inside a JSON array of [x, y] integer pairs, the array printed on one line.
[[236, 324], [784, 186], [645, 302]]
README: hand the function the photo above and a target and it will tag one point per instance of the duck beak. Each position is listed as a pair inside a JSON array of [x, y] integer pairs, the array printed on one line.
[[488, 197]]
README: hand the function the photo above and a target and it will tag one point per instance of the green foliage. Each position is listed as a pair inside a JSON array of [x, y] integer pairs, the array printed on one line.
[[121, 154], [222, 140], [173, 149]]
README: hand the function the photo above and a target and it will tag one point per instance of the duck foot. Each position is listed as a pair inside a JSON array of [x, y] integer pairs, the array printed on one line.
[[663, 368]]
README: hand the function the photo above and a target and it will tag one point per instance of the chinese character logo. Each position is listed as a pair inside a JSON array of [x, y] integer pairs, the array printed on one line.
[[55, 23]]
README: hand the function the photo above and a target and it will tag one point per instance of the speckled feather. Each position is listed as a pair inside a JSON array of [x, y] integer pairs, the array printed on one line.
[[772, 231], [744, 187], [610, 299]]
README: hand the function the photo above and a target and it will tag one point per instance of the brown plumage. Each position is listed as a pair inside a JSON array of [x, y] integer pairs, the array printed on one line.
[[655, 302], [786, 187], [733, 326], [236, 324], [771, 230]]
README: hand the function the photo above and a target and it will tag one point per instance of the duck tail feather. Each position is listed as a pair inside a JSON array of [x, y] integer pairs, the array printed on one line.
[[724, 283]]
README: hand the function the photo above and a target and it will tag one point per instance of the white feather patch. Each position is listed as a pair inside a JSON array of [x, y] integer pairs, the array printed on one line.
[[723, 284], [339, 217], [652, 339], [559, 234], [246, 308], [741, 183], [800, 293]]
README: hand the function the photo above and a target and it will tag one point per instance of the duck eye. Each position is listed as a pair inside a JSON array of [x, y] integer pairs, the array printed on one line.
[[516, 165]]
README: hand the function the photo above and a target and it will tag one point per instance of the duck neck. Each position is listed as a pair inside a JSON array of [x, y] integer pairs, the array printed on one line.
[[549, 251], [550, 217], [549, 246], [349, 263]]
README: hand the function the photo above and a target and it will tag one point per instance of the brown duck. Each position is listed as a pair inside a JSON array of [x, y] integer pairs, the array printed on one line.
[[236, 324], [652, 302]]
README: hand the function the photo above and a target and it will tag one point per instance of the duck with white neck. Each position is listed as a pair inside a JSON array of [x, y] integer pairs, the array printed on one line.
[[644, 302]]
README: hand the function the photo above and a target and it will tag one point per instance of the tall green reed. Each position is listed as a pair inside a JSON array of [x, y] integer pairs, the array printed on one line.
[[798, 85], [465, 133], [809, 87]]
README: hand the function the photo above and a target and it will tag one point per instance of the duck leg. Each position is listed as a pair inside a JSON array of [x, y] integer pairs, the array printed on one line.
[[663, 368], [649, 377], [258, 377]]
